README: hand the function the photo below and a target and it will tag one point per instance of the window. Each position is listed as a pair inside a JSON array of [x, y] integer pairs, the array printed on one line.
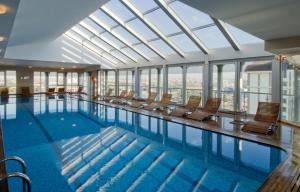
[[194, 82], [101, 83], [224, 84], [290, 86], [130, 80], [60, 79], [52, 80], [241, 36], [110, 83], [255, 84], [84, 82], [39, 82], [8, 79], [11, 81], [122, 80], [144, 83], [175, 84], [72, 82], [154, 80]]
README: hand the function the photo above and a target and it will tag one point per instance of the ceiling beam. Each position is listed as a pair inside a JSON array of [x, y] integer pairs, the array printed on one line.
[[103, 51], [226, 33], [115, 47], [145, 42], [172, 14], [151, 26], [102, 25]]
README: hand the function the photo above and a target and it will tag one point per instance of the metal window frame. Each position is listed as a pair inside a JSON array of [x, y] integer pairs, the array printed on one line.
[[115, 48], [108, 30], [103, 51], [112, 64], [220, 24], [142, 40], [152, 27], [186, 30]]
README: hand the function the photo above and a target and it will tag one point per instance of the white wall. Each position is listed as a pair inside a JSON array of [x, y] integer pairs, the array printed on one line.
[[60, 50]]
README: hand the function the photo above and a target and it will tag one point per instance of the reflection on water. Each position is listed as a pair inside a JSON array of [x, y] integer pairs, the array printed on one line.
[[98, 147]]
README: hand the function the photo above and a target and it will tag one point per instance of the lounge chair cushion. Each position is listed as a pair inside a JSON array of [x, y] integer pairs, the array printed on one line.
[[199, 115], [137, 104], [152, 106], [257, 126], [179, 112]]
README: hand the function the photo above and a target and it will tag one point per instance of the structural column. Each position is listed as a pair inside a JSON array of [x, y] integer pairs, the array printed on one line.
[[137, 81], [207, 83], [276, 82]]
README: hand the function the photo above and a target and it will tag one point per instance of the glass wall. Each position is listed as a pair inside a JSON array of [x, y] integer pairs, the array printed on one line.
[[72, 82], [290, 89], [39, 82], [84, 82], [122, 80], [111, 81], [60, 80], [52, 82], [8, 79], [175, 84], [101, 83], [194, 81], [144, 83], [224, 84], [255, 84], [154, 80]]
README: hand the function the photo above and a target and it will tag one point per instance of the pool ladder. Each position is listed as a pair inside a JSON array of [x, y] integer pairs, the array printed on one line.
[[22, 175]]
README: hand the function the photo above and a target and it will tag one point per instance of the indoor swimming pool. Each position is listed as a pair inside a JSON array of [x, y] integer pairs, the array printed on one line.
[[71, 144]]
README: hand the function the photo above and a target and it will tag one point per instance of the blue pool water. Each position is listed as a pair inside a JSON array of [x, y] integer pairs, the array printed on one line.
[[74, 145]]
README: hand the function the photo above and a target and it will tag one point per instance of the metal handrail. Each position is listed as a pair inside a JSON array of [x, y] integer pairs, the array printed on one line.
[[15, 158], [19, 160], [18, 175]]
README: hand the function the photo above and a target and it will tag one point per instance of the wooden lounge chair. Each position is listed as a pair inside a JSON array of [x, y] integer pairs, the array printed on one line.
[[25, 91], [265, 118], [191, 106], [4, 92], [123, 95], [148, 101], [110, 98], [80, 90], [61, 91], [160, 105], [210, 109], [124, 100], [50, 91]]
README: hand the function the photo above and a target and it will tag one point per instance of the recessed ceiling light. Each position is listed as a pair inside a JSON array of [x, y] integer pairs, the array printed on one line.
[[3, 9], [2, 38]]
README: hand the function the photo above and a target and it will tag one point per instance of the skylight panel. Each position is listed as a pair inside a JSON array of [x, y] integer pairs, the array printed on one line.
[[101, 44], [125, 35], [145, 50], [83, 32], [92, 26], [241, 36], [102, 18], [93, 47], [110, 58], [119, 10], [162, 21], [184, 43], [120, 56], [162, 47], [144, 6], [141, 29], [131, 53], [74, 36], [212, 37], [112, 40], [191, 16]]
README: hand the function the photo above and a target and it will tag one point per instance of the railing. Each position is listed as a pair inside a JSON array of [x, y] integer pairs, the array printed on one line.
[[21, 175]]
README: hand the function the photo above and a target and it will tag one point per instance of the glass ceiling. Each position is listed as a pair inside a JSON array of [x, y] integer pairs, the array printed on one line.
[[168, 28]]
